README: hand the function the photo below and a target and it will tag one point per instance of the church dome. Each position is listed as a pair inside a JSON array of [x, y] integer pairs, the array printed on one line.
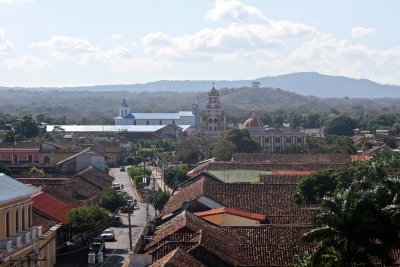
[[213, 92], [253, 122]]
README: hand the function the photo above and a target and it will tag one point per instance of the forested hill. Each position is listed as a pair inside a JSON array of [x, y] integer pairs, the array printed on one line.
[[304, 83], [238, 102]]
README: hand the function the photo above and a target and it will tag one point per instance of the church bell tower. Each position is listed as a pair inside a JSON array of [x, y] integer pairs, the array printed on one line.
[[124, 108]]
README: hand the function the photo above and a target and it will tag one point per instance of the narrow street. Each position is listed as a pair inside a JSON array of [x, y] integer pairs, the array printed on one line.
[[116, 252]]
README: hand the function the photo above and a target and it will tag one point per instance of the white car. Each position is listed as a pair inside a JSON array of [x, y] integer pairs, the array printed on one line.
[[108, 235]]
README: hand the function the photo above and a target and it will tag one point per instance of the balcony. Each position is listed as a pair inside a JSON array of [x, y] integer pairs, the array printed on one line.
[[21, 239]]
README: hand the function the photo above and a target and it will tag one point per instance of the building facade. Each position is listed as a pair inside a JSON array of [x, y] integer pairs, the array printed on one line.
[[18, 237], [180, 118], [274, 140], [214, 125]]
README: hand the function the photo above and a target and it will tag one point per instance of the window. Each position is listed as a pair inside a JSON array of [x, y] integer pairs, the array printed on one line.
[[46, 159], [299, 139], [288, 140], [147, 122], [173, 122], [8, 224], [30, 158], [277, 140], [15, 159], [134, 122], [160, 122], [266, 139]]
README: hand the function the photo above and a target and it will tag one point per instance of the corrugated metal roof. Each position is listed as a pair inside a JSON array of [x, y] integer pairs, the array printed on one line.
[[112, 128], [11, 189], [157, 116], [238, 176], [209, 202]]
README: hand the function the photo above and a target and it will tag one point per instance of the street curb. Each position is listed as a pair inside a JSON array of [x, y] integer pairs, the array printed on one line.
[[138, 195]]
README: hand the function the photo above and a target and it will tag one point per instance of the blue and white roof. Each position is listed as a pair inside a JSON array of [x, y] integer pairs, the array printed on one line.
[[112, 128], [12, 189], [157, 116]]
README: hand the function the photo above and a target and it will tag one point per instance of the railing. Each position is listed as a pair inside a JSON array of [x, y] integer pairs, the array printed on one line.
[[20, 239]]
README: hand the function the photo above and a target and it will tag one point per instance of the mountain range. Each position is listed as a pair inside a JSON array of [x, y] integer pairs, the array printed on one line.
[[304, 83]]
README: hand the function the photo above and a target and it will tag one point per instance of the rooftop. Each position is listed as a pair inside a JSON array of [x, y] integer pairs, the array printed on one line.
[[51, 206], [11, 189], [112, 128], [158, 116], [249, 215]]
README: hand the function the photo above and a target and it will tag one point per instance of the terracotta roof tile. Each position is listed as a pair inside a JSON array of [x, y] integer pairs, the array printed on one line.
[[51, 206], [177, 258], [44, 221], [291, 158], [254, 216]]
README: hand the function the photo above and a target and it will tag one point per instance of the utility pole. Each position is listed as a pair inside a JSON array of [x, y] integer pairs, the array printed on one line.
[[130, 230]]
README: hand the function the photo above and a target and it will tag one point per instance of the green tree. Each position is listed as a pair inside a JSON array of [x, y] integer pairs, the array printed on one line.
[[312, 188], [342, 125], [235, 141], [28, 128], [312, 121], [174, 176], [4, 169], [188, 151], [159, 198], [352, 229], [110, 200], [85, 219], [390, 141]]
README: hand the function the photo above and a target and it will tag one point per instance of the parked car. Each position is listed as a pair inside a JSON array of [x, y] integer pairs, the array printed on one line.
[[108, 235], [127, 208], [116, 221], [116, 186], [122, 168]]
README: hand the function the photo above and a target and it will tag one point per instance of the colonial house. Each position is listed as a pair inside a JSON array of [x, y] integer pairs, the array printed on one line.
[[18, 236], [82, 160], [20, 153], [274, 140]]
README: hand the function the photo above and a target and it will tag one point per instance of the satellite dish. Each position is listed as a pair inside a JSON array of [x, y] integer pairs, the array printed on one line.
[[185, 205]]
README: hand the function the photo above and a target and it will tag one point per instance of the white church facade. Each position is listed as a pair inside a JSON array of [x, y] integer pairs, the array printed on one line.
[[181, 118]]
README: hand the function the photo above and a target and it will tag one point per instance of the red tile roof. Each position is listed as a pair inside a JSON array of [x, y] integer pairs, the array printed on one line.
[[177, 258], [291, 158], [51, 206], [250, 215], [42, 220]]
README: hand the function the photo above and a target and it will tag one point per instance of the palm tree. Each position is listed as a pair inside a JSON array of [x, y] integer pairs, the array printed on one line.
[[352, 229]]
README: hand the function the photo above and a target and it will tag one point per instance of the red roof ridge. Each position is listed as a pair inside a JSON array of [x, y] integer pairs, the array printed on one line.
[[250, 215]]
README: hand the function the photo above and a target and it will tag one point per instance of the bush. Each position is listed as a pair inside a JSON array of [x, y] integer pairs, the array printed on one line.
[[91, 219], [110, 200]]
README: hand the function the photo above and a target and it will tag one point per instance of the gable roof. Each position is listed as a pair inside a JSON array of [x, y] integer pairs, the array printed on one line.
[[11, 189], [42, 220], [51, 206], [249, 215], [273, 200], [177, 258], [192, 233], [79, 153], [375, 149]]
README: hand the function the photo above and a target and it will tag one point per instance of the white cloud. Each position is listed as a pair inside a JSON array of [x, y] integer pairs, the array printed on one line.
[[15, 2], [233, 10], [81, 51], [359, 32], [5, 45], [117, 36], [25, 62]]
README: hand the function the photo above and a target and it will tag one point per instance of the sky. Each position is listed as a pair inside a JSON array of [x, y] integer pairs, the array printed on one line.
[[73, 42]]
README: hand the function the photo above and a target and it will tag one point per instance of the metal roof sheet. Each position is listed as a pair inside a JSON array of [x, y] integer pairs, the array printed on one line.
[[157, 116], [112, 128], [11, 189]]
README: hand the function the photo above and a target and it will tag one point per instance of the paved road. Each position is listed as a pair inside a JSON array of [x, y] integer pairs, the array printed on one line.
[[116, 252]]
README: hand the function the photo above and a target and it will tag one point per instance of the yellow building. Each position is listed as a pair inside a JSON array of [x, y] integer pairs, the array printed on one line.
[[231, 217], [19, 240]]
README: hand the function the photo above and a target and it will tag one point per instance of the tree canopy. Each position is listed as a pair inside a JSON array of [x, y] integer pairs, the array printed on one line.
[[88, 219], [342, 125], [235, 141], [110, 200]]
